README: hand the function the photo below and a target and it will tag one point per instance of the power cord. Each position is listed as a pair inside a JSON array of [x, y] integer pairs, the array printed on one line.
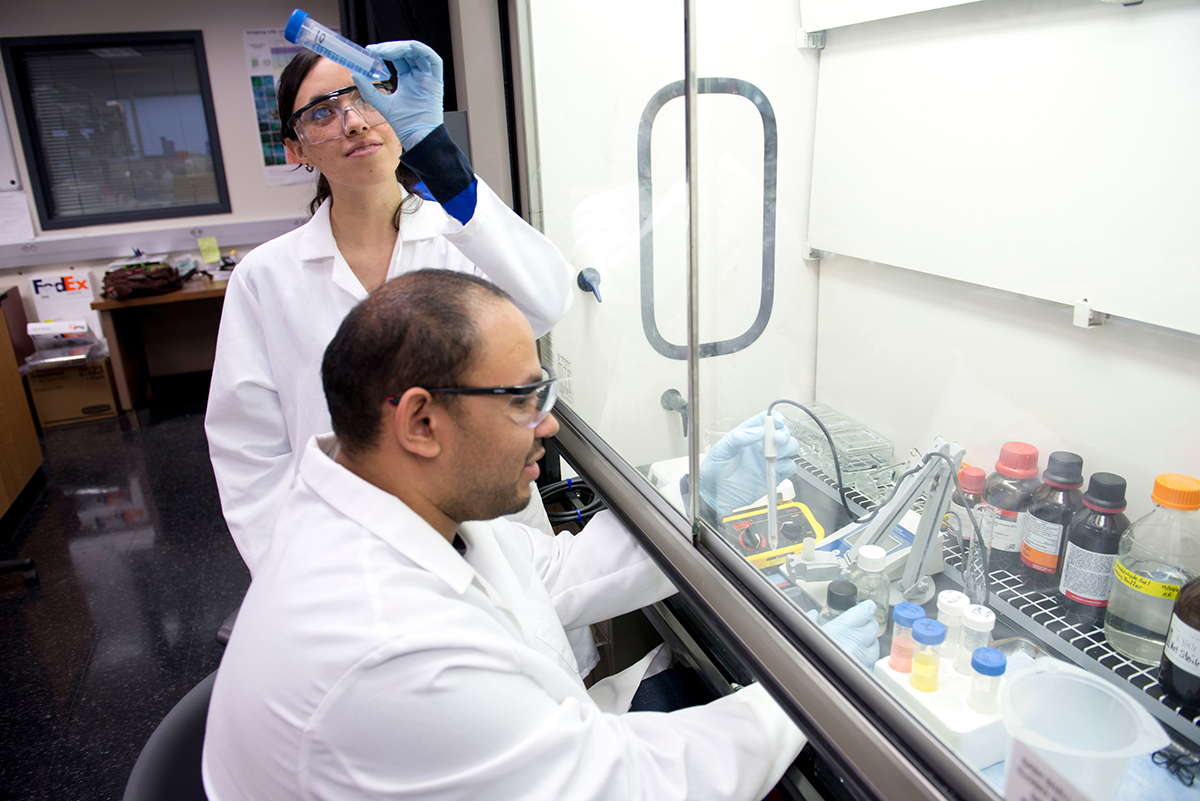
[[842, 490], [576, 493], [837, 465]]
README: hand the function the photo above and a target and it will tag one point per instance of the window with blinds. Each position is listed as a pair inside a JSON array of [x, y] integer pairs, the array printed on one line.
[[117, 128]]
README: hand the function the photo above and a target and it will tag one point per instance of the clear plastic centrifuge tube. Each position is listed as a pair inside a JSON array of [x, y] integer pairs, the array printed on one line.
[[988, 665], [929, 636], [904, 615], [305, 31]]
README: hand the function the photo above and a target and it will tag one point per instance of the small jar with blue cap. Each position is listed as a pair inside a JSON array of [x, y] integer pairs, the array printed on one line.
[[904, 615], [988, 665], [929, 635]]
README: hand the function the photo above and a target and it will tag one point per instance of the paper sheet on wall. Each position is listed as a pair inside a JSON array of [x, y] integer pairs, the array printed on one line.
[[267, 53], [16, 224]]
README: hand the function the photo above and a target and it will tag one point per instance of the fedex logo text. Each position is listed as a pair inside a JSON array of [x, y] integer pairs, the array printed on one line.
[[66, 283]]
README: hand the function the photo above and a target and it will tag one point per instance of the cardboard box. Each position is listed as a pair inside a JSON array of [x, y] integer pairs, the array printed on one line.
[[73, 394]]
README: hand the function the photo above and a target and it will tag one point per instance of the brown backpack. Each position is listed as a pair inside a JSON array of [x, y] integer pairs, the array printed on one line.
[[141, 279]]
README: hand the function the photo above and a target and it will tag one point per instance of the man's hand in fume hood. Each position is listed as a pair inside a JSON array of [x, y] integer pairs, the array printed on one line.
[[734, 473], [857, 632]]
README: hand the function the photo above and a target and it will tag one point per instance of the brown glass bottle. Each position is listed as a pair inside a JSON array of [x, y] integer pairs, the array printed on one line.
[[1044, 529], [1091, 549], [1180, 671], [1009, 490]]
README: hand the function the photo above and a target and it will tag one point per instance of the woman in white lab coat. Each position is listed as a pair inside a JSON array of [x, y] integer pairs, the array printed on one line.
[[287, 297]]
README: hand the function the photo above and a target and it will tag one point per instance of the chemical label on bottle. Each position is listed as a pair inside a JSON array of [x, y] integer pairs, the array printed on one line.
[[1039, 543], [1146, 586], [1006, 532], [958, 522], [1183, 646], [1087, 575]]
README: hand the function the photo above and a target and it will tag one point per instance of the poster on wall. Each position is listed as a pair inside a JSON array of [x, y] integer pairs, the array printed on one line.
[[267, 53]]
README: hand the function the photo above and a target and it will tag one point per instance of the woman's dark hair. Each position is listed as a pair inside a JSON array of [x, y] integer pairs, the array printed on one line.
[[289, 85], [417, 330]]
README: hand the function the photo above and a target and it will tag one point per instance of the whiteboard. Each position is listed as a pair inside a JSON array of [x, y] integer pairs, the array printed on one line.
[[819, 15], [1045, 147]]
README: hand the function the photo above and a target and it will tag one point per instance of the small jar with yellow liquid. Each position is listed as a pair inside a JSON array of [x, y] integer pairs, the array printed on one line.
[[929, 635]]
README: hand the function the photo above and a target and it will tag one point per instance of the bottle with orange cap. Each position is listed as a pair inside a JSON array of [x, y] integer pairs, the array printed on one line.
[[1009, 490], [1157, 555]]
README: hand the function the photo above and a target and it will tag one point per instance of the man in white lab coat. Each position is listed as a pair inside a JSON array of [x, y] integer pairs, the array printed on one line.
[[391, 647]]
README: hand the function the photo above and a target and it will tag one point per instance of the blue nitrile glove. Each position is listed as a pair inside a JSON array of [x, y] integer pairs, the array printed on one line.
[[735, 472], [415, 108], [856, 631]]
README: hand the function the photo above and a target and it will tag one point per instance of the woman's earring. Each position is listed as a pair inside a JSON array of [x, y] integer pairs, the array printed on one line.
[[308, 168]]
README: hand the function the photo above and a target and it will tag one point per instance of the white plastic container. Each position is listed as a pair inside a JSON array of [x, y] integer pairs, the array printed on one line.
[[307, 32], [951, 604], [1078, 723], [978, 622]]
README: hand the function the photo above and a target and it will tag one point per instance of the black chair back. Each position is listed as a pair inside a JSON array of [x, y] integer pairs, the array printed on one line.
[[169, 765]]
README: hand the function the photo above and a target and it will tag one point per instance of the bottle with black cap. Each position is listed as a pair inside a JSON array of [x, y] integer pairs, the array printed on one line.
[[840, 596], [1044, 527], [1091, 550]]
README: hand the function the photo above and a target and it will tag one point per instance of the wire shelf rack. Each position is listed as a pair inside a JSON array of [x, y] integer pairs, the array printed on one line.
[[1041, 615]]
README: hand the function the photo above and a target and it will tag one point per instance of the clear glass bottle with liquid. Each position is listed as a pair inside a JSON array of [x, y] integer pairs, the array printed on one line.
[[928, 634], [904, 615], [1156, 556], [872, 583], [958, 522], [839, 596], [1091, 550], [1009, 490]]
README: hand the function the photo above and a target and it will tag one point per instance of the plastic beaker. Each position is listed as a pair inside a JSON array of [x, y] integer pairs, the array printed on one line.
[[1079, 724]]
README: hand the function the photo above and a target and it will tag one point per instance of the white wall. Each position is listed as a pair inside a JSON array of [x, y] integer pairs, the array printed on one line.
[[222, 22]]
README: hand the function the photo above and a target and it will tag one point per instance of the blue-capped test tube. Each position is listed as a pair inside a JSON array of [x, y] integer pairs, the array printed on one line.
[[305, 31]]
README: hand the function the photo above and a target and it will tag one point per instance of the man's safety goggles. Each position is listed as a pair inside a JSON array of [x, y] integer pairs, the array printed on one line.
[[527, 405]]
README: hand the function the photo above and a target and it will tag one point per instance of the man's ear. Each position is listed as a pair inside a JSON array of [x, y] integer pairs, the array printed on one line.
[[417, 424]]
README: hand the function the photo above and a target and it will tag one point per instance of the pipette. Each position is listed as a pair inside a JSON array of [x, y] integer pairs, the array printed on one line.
[[770, 453]]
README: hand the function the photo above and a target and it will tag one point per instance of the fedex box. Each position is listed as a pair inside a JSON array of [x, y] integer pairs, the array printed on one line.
[[66, 295], [73, 394]]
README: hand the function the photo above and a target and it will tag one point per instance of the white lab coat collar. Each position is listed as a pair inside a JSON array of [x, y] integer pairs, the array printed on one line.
[[497, 578], [320, 248], [381, 513]]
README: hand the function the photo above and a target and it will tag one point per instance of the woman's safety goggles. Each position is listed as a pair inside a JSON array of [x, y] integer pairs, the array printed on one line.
[[328, 117], [528, 404]]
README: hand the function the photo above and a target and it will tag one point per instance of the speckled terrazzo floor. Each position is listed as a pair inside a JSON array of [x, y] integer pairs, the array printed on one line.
[[137, 573]]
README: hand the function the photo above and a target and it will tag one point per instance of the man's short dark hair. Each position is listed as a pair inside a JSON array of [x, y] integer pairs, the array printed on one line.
[[417, 330]]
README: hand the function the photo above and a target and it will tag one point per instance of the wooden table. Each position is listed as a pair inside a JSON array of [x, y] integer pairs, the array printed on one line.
[[154, 335]]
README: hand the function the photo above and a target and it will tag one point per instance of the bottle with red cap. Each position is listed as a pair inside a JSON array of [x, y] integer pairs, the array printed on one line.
[[1158, 555], [1009, 490], [1091, 551], [958, 521], [1044, 528]]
